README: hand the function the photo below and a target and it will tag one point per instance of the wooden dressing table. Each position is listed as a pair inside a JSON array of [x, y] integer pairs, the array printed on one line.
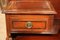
[[30, 17]]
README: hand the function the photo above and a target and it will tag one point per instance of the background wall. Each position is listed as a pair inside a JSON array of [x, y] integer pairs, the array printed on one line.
[[2, 27]]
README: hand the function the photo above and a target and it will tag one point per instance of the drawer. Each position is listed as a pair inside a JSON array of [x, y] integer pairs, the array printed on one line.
[[29, 25], [30, 22]]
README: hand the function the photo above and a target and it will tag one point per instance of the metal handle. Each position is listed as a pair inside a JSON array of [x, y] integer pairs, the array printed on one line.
[[29, 24]]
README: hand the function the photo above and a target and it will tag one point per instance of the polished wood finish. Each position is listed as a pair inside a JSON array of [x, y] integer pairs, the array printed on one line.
[[39, 22], [30, 7], [56, 5], [30, 16]]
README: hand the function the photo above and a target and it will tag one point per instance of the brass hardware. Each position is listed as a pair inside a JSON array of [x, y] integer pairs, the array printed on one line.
[[29, 24]]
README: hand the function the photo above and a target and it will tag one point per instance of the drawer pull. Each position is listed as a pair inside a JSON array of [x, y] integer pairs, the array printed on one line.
[[29, 24]]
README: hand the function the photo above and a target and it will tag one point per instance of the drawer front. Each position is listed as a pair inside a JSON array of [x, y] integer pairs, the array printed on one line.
[[30, 22], [31, 25]]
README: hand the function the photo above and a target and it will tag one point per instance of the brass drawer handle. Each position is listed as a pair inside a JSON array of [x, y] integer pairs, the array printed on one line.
[[29, 24]]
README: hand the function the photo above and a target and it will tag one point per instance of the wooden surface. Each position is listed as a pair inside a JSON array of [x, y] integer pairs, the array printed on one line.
[[56, 6], [30, 7], [13, 8], [41, 23]]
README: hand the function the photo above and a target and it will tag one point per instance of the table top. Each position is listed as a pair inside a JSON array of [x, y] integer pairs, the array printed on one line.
[[30, 7]]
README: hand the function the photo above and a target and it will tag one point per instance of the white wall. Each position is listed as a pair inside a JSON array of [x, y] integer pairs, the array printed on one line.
[[2, 26]]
